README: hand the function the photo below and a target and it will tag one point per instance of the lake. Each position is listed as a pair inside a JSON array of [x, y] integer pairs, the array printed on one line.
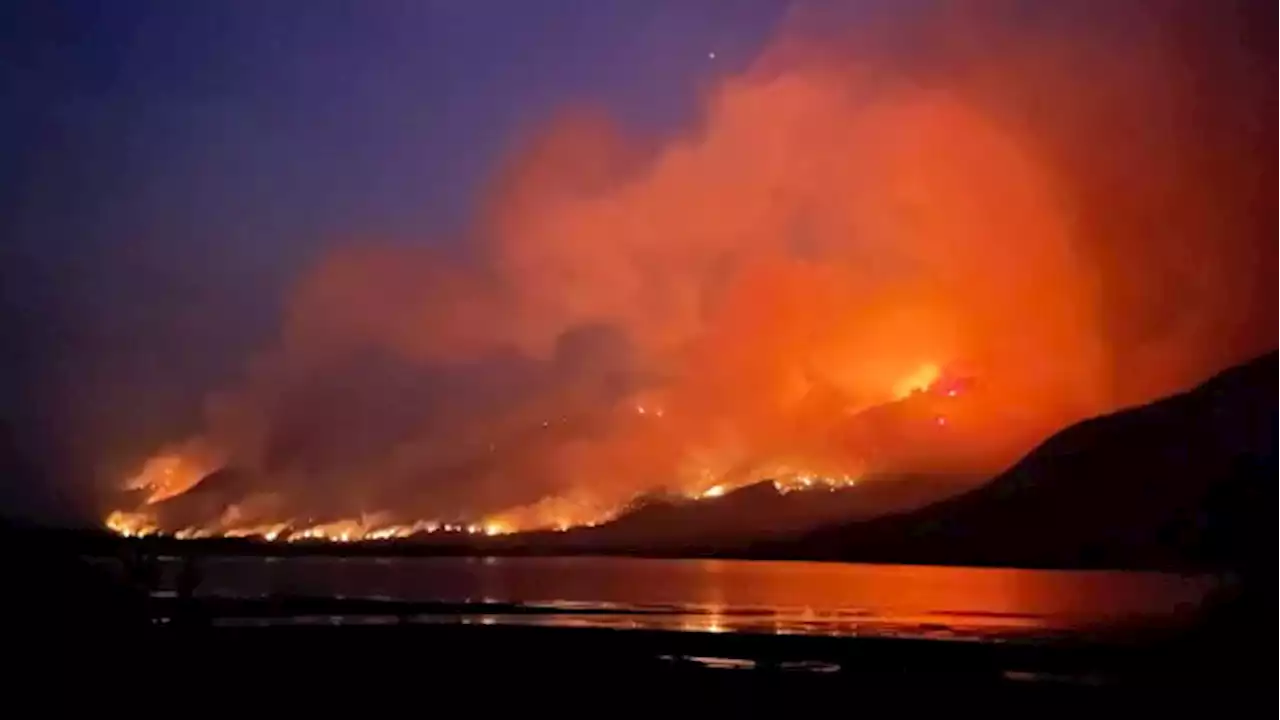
[[723, 595]]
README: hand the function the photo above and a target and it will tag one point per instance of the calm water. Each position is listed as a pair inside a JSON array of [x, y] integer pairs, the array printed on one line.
[[725, 595]]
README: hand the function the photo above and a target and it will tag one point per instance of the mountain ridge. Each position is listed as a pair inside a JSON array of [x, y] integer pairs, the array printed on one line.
[[1158, 485]]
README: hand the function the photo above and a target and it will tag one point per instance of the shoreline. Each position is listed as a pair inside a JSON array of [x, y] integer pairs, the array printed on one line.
[[108, 545]]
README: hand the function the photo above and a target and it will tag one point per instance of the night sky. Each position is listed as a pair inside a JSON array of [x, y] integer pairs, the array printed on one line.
[[171, 166]]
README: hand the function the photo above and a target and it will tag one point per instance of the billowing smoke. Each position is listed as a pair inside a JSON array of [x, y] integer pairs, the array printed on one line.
[[1062, 206]]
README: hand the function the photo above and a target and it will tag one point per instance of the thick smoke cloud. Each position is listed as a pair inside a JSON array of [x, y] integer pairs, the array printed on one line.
[[1066, 207]]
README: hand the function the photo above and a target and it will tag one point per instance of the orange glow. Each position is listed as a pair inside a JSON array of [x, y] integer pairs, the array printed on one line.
[[919, 381], [130, 524], [173, 472], [772, 294], [714, 491]]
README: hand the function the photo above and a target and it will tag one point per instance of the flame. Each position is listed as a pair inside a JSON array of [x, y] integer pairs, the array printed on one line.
[[558, 513], [808, 481], [130, 524], [268, 532], [553, 513], [919, 381], [353, 530], [173, 472]]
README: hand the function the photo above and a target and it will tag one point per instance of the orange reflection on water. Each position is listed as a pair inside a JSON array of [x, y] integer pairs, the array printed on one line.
[[725, 595], [947, 595]]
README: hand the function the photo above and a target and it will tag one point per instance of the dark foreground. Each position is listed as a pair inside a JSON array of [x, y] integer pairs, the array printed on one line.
[[595, 671], [305, 651], [563, 666]]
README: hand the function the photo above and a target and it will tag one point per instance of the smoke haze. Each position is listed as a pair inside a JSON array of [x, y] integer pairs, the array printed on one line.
[[1063, 205]]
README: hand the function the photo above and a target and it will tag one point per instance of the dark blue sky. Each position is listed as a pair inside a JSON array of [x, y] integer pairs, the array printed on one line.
[[170, 167]]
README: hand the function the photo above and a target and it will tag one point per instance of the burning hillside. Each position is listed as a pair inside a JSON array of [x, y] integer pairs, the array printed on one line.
[[880, 260], [214, 504]]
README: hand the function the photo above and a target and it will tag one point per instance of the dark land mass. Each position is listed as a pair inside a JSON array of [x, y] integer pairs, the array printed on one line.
[[47, 578]]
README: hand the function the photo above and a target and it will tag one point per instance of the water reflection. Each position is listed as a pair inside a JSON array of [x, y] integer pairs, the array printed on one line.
[[720, 596], [780, 624]]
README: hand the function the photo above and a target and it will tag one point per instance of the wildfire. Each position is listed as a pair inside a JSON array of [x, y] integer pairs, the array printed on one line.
[[809, 274], [558, 513], [714, 491], [919, 381], [787, 482], [808, 481], [172, 473], [130, 524], [268, 532]]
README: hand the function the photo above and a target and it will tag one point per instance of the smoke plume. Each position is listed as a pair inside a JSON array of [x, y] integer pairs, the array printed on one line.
[[1064, 208]]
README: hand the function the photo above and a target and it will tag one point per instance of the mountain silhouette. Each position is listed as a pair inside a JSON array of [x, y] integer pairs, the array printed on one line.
[[760, 511], [1178, 483]]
